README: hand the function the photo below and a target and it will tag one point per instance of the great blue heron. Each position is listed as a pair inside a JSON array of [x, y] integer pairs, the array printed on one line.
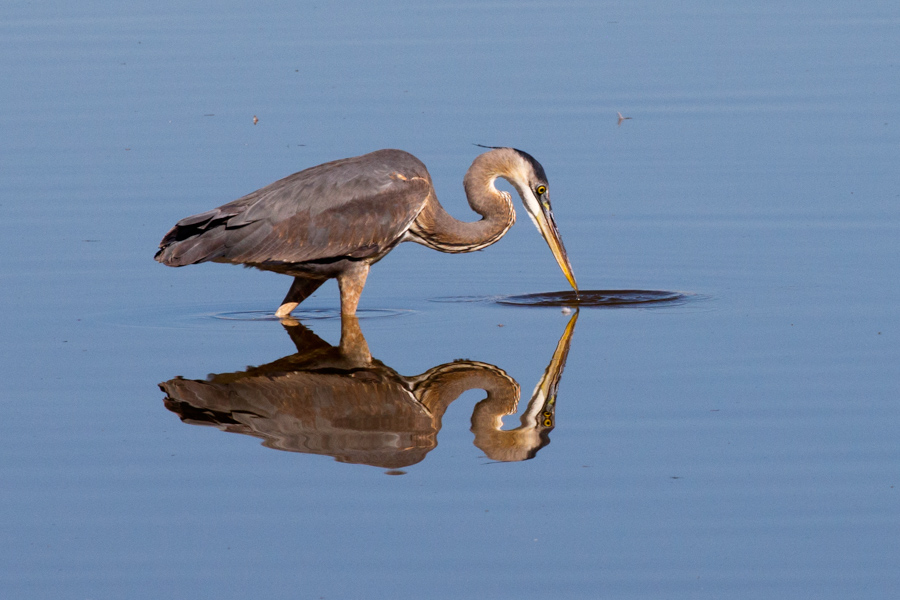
[[339, 218]]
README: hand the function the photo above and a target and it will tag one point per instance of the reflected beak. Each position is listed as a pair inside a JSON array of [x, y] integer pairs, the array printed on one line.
[[549, 383], [547, 226]]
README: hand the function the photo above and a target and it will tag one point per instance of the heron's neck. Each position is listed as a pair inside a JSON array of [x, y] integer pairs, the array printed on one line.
[[437, 229]]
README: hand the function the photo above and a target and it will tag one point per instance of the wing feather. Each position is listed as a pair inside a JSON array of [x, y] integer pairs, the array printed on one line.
[[357, 207]]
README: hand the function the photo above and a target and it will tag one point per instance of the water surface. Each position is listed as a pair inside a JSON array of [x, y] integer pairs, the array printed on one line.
[[737, 442]]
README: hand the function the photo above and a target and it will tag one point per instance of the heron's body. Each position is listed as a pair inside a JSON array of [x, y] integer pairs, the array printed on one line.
[[337, 219]]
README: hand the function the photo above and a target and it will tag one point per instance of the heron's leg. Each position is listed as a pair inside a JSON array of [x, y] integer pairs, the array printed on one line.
[[351, 282], [300, 290]]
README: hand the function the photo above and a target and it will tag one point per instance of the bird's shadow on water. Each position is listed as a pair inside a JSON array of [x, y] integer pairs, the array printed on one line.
[[339, 401]]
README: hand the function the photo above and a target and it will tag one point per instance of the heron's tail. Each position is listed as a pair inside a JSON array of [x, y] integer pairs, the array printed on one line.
[[197, 238], [176, 252]]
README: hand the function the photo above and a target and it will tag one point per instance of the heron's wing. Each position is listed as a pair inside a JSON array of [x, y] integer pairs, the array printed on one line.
[[357, 207]]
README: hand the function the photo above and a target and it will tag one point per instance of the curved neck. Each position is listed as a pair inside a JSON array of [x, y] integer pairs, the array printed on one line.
[[436, 228], [441, 385]]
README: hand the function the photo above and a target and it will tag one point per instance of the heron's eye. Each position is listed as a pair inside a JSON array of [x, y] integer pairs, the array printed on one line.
[[541, 190]]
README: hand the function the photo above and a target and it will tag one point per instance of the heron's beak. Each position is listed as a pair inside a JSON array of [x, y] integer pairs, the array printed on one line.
[[547, 226]]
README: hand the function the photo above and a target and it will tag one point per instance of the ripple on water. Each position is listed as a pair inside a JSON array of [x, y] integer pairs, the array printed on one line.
[[307, 314], [584, 298], [594, 298], [206, 315]]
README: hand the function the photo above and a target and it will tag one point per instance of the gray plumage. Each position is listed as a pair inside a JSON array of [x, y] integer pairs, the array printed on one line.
[[304, 217]]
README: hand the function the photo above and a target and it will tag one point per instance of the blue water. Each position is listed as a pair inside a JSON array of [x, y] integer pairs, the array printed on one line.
[[741, 444]]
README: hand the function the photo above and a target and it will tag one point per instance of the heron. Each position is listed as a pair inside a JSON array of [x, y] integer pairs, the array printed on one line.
[[337, 219]]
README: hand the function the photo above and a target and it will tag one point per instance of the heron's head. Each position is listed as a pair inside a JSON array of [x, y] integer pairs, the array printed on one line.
[[527, 175]]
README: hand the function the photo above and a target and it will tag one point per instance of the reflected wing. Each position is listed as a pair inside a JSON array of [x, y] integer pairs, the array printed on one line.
[[356, 207], [363, 416]]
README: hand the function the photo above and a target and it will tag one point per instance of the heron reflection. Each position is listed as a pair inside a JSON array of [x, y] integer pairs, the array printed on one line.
[[341, 402]]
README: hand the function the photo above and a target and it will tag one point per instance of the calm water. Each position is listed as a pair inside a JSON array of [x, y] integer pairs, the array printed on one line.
[[741, 443]]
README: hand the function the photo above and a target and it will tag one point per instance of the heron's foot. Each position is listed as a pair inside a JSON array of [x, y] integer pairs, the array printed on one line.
[[285, 309]]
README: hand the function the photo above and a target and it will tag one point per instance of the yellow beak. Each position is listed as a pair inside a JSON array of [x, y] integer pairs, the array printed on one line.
[[547, 226]]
